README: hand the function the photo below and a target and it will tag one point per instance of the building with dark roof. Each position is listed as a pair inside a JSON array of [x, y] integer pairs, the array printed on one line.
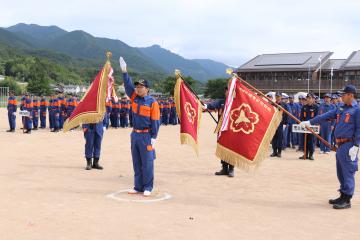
[[294, 72]]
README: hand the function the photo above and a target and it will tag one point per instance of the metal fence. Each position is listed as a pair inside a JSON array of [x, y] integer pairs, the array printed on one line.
[[4, 95]]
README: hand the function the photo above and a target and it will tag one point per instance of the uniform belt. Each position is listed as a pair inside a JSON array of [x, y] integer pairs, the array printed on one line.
[[341, 141], [141, 131]]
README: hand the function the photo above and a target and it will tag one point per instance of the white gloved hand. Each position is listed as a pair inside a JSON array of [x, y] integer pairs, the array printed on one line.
[[305, 124], [122, 65], [14, 113], [153, 141], [204, 107], [104, 128], [353, 152]]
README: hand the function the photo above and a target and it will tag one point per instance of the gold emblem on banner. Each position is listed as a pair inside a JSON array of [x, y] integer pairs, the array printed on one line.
[[190, 112], [243, 119]]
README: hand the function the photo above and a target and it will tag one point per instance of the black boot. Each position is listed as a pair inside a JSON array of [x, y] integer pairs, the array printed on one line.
[[343, 203], [302, 157], [231, 171], [336, 200], [311, 156], [96, 164], [224, 170], [279, 153], [88, 164], [274, 154]]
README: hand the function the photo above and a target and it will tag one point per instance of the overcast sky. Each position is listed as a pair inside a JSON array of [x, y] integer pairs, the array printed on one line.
[[230, 31]]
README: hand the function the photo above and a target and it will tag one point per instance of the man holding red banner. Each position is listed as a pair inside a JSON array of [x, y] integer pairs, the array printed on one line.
[[227, 169], [146, 124]]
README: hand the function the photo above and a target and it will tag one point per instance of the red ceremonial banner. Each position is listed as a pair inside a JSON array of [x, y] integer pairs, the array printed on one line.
[[91, 108], [188, 108], [249, 127]]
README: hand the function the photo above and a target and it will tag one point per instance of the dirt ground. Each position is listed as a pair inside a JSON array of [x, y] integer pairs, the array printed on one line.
[[46, 194]]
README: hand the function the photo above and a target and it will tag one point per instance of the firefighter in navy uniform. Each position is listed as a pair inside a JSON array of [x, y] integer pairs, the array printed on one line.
[[93, 134], [277, 141], [12, 108], [309, 111], [35, 112], [28, 119], [218, 105], [43, 107], [146, 124], [347, 136]]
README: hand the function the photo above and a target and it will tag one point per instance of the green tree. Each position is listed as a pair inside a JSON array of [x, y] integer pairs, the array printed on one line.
[[39, 82], [169, 83], [215, 88], [12, 84]]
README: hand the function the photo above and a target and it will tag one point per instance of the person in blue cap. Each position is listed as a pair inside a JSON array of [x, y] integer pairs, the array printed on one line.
[[277, 140], [347, 135], [12, 108], [146, 124], [28, 119], [295, 110], [302, 102], [327, 126], [309, 111], [285, 100]]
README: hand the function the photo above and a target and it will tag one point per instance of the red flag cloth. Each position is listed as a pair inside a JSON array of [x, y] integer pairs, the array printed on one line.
[[91, 108], [250, 126], [188, 108]]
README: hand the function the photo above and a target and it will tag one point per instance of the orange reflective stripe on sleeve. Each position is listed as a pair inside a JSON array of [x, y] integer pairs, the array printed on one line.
[[134, 107], [144, 111], [133, 96], [347, 118], [155, 111]]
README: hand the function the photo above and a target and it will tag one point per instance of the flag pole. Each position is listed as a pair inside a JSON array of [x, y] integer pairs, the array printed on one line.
[[285, 111], [177, 73]]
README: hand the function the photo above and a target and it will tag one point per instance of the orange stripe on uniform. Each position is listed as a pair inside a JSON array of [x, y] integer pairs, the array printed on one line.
[[133, 96], [347, 118], [155, 111], [134, 107], [144, 111]]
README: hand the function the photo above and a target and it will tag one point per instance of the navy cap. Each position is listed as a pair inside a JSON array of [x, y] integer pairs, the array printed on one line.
[[310, 95], [339, 92], [278, 94], [143, 82], [349, 89], [291, 96], [327, 95]]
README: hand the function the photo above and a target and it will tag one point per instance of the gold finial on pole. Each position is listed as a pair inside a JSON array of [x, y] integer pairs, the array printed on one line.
[[229, 71], [108, 55], [177, 73]]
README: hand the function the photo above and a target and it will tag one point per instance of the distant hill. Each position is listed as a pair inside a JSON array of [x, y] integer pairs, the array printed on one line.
[[13, 40], [212, 67], [200, 69], [54, 42], [37, 35]]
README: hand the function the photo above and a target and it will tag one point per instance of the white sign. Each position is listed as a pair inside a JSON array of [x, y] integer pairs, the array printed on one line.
[[298, 129], [24, 113]]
